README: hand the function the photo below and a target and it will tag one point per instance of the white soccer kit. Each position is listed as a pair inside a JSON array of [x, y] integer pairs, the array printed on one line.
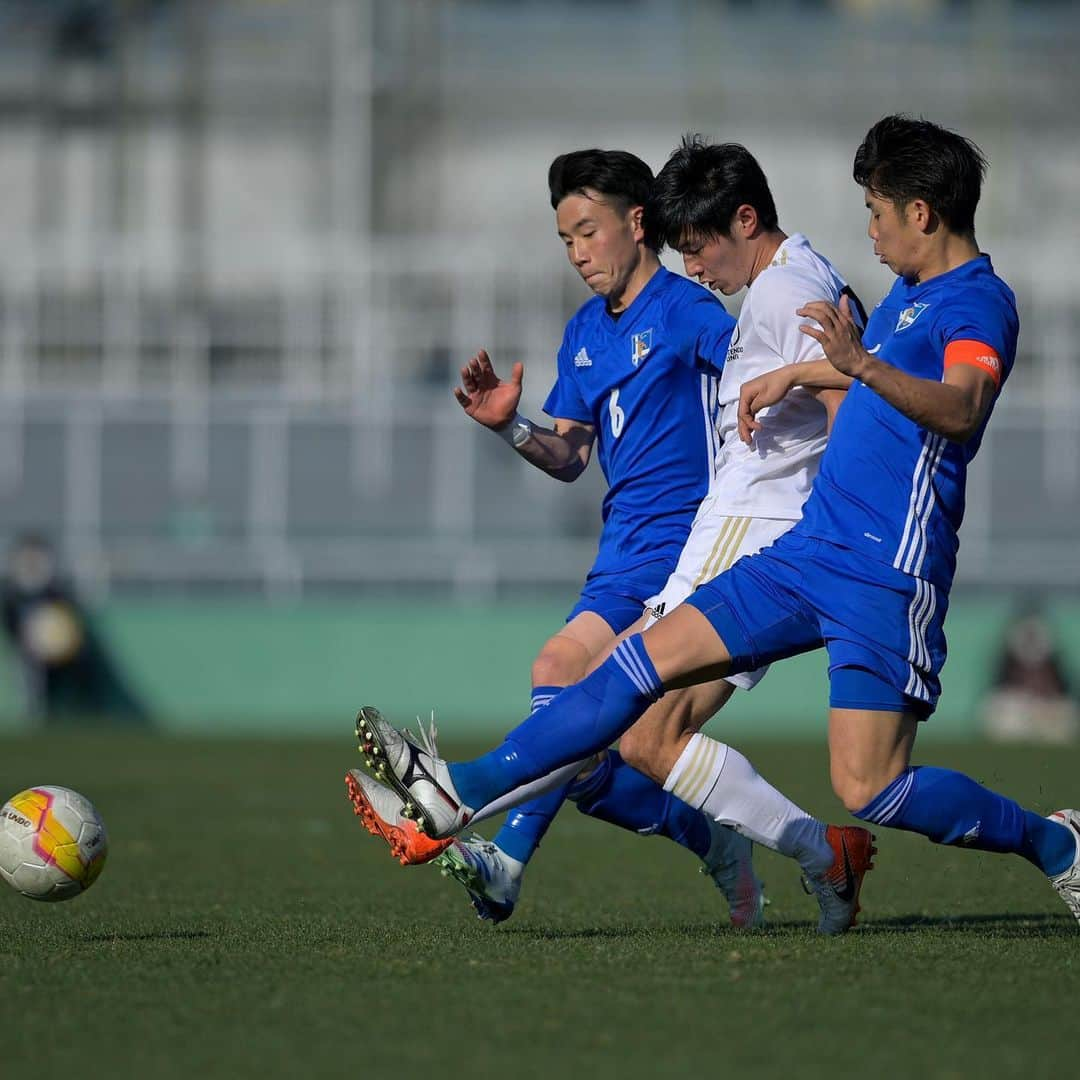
[[757, 492]]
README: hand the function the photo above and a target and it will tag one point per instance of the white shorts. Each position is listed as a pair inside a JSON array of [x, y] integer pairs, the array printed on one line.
[[716, 542]]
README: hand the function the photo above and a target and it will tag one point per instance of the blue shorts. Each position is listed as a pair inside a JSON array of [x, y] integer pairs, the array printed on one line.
[[618, 597], [801, 594]]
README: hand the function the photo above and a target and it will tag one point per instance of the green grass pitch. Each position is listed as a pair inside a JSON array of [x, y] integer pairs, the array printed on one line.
[[246, 926]]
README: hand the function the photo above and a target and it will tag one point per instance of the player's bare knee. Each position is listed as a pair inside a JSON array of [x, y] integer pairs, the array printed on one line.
[[559, 663], [856, 791]]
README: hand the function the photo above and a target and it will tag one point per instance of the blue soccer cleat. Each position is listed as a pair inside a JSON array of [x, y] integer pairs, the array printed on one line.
[[730, 863], [490, 876]]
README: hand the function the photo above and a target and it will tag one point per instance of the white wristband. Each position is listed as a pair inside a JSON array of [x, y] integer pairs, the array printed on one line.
[[517, 433]]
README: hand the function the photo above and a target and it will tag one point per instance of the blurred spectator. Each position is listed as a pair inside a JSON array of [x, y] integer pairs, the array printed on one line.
[[1030, 699], [65, 670]]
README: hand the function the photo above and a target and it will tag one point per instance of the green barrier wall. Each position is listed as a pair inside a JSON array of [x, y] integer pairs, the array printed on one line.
[[250, 667]]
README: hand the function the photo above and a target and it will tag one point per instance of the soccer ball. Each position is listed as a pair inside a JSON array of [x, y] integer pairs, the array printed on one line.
[[52, 843]]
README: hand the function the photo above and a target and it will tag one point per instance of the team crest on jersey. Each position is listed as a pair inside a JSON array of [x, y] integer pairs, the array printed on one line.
[[640, 346], [909, 315]]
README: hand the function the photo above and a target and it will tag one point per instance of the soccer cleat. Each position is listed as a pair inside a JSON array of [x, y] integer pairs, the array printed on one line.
[[490, 877], [379, 809], [412, 767], [837, 889], [730, 863], [1067, 883]]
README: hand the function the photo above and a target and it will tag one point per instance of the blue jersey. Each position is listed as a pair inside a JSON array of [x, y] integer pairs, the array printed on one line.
[[888, 488], [646, 382]]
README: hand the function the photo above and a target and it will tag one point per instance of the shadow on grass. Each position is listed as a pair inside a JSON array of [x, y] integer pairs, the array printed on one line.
[[1005, 925], [620, 933], [1017, 924], [150, 935]]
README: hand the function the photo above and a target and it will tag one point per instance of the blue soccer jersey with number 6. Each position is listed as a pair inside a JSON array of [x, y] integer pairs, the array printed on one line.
[[646, 381]]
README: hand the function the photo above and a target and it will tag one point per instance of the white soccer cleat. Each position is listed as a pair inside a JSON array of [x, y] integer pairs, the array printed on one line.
[[490, 876], [730, 863], [412, 767], [379, 809], [1067, 883], [838, 888]]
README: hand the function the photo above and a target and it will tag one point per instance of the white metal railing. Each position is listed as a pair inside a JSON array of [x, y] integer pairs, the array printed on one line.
[[279, 495]]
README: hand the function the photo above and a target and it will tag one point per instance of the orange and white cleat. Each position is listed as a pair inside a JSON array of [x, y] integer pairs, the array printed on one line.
[[838, 888], [379, 808]]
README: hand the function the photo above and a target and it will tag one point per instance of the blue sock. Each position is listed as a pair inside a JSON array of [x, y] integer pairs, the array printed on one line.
[[526, 824], [584, 718], [951, 808], [542, 697], [617, 793]]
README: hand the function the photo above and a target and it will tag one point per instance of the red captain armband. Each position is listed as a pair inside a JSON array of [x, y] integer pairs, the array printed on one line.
[[977, 354]]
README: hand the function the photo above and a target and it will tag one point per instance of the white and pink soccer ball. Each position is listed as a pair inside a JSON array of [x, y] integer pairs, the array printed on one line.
[[52, 843]]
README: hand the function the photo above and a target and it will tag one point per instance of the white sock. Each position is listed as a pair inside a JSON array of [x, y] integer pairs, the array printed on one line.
[[528, 791], [718, 780]]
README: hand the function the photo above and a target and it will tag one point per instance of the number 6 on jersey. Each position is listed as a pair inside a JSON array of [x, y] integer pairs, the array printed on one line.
[[618, 417]]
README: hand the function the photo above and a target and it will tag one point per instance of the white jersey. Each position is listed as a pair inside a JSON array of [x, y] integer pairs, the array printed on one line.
[[772, 478]]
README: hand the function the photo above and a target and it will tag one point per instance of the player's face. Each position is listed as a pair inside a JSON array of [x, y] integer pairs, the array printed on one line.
[[722, 263], [897, 239], [602, 241]]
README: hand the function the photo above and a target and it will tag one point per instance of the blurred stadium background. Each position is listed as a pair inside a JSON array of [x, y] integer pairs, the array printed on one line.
[[248, 243]]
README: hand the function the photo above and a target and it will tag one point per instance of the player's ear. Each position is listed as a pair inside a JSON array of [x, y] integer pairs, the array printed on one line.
[[637, 215], [745, 220], [920, 215]]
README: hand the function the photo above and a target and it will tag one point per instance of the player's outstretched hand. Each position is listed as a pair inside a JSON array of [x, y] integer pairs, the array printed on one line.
[[838, 335], [758, 394], [484, 396]]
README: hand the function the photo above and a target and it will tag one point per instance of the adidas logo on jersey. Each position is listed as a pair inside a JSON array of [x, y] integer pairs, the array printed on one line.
[[582, 359], [657, 612]]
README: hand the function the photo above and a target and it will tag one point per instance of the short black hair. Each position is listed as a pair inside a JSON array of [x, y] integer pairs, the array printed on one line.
[[902, 159], [701, 186], [616, 174]]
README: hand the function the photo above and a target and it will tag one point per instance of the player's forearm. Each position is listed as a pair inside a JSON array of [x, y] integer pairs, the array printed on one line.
[[943, 409], [831, 400], [555, 454], [817, 375]]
